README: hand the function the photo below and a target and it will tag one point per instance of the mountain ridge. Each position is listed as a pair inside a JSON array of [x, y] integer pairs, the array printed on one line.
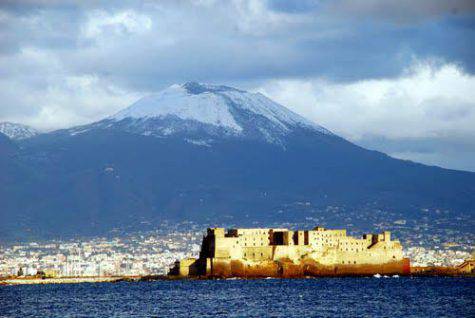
[[91, 179], [202, 113], [181, 101], [17, 131]]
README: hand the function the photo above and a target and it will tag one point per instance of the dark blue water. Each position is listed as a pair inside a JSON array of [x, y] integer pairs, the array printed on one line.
[[341, 297]]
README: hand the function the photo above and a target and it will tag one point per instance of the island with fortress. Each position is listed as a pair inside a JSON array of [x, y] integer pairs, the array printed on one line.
[[277, 252], [268, 252]]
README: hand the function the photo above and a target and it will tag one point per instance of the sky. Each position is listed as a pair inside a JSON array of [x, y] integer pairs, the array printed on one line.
[[395, 76]]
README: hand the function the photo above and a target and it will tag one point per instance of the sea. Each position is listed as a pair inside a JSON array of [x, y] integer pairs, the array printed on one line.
[[315, 297]]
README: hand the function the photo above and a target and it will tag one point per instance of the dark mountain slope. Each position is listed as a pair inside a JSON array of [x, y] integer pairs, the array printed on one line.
[[121, 172]]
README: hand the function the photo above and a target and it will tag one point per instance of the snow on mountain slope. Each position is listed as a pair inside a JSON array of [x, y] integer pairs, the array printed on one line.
[[220, 106], [206, 107], [17, 131], [261, 105]]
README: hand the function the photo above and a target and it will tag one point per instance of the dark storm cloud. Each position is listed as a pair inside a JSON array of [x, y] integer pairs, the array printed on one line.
[[69, 62], [399, 11], [46, 27], [223, 41]]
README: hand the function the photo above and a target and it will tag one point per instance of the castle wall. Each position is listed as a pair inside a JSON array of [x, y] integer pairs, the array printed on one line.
[[257, 253], [292, 253], [271, 252], [227, 247], [284, 269]]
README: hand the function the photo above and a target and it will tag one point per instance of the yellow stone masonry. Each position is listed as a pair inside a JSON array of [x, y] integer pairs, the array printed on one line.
[[266, 245], [326, 246]]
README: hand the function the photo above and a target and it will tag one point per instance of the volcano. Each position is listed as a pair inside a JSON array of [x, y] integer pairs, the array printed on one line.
[[211, 154]]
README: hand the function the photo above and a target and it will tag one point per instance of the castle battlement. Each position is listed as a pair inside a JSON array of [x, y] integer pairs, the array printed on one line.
[[326, 247]]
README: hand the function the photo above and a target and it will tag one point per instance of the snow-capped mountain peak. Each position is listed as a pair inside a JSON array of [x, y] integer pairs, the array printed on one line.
[[222, 107], [17, 131], [185, 103]]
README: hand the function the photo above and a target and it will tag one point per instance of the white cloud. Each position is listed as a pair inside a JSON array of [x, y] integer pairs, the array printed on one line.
[[78, 100], [254, 18], [428, 100], [101, 23], [426, 115], [45, 96]]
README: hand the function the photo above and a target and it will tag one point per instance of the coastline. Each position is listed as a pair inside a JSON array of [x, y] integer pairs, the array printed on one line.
[[64, 280], [430, 272]]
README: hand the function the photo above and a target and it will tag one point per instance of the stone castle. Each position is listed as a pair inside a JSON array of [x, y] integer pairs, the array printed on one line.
[[275, 252]]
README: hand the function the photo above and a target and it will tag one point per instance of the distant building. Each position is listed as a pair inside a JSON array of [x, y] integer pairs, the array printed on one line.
[[467, 267], [281, 252]]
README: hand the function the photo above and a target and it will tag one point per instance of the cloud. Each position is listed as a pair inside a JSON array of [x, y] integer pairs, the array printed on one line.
[[238, 40], [46, 97], [430, 107], [400, 11], [101, 24], [70, 62]]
